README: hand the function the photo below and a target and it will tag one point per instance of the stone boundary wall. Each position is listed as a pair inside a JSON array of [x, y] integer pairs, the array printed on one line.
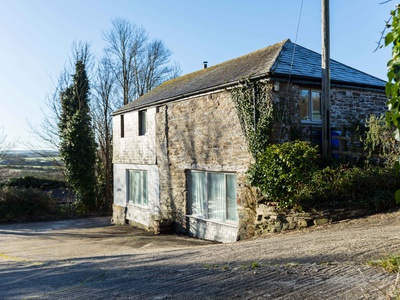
[[271, 219]]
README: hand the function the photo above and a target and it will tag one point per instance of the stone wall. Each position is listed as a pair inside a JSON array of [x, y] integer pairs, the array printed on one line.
[[348, 106], [200, 133], [203, 133], [272, 219]]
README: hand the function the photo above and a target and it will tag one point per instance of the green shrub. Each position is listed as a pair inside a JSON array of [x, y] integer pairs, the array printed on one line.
[[379, 141], [34, 182], [281, 170], [20, 204], [292, 175], [369, 187]]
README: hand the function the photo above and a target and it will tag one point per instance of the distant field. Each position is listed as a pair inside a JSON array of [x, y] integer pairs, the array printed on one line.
[[27, 163]]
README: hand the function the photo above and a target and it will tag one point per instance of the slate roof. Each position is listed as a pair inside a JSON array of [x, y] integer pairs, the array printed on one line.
[[274, 60], [307, 63]]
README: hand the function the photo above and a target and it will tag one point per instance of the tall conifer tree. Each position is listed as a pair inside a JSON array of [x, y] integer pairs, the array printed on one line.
[[77, 141]]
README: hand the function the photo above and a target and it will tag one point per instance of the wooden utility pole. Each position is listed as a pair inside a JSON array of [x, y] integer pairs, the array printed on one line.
[[326, 82]]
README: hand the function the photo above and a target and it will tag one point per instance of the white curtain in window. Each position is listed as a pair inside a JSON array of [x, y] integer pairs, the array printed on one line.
[[198, 197], [137, 187], [231, 207], [316, 105], [130, 185], [144, 187], [134, 186], [216, 196]]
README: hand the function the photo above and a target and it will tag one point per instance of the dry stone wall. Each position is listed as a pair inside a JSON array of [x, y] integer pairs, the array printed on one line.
[[272, 219]]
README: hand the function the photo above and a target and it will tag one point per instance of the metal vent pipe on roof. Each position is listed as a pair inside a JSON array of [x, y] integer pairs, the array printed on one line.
[[205, 64]]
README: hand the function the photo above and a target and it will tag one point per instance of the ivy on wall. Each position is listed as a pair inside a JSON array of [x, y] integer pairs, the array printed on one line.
[[253, 103]]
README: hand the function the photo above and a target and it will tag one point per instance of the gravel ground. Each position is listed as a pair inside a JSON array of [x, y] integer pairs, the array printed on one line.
[[89, 259]]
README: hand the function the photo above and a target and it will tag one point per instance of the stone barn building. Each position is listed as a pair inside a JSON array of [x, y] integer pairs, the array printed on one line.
[[180, 155]]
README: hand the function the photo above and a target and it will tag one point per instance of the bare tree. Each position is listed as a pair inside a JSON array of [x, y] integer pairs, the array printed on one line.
[[175, 71], [139, 65], [102, 106], [5, 146]]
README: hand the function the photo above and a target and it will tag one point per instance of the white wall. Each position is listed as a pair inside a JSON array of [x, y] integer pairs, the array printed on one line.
[[138, 214], [211, 230], [134, 148]]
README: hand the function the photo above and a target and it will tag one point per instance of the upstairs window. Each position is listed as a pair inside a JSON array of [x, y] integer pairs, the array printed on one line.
[[142, 122], [310, 105], [137, 187], [213, 196], [122, 126]]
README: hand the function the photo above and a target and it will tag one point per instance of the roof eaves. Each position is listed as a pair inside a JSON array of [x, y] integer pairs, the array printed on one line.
[[334, 83], [183, 96]]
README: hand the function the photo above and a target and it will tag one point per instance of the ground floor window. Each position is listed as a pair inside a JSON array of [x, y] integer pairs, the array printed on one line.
[[213, 195], [137, 187]]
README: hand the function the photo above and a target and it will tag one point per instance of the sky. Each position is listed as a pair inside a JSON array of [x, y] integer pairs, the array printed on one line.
[[36, 38]]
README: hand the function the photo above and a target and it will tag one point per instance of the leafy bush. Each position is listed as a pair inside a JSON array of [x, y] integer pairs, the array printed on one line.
[[379, 140], [369, 187], [282, 169], [34, 182], [30, 199], [20, 204], [293, 175]]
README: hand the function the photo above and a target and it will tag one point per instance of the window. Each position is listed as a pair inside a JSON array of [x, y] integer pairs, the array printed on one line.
[[142, 122], [213, 196], [122, 126], [137, 187], [310, 105]]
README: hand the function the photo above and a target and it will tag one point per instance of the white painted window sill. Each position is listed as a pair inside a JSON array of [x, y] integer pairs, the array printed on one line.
[[144, 207], [232, 224]]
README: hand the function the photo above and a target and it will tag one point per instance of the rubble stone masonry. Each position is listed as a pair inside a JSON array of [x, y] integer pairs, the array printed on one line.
[[203, 133], [200, 133]]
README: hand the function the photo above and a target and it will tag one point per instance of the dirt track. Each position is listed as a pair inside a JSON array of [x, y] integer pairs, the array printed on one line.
[[86, 259]]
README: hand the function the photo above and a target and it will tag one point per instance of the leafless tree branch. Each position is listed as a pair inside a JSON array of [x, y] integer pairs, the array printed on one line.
[[139, 65]]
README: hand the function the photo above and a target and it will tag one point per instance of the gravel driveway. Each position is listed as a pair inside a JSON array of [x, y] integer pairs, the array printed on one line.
[[89, 259]]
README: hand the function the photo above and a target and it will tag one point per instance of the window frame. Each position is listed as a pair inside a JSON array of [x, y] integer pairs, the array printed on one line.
[[122, 123], [143, 192], [310, 106], [142, 122], [205, 191]]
